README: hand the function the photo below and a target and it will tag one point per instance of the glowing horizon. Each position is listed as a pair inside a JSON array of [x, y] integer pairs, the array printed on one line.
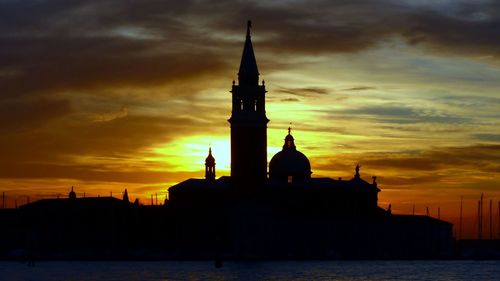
[[133, 98]]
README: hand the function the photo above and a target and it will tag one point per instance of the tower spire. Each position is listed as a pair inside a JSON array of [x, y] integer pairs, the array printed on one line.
[[248, 73], [248, 121]]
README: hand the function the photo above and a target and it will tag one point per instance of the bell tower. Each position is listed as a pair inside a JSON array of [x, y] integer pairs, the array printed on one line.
[[248, 121]]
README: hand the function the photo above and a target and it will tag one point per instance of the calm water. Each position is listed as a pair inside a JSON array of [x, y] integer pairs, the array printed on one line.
[[314, 270]]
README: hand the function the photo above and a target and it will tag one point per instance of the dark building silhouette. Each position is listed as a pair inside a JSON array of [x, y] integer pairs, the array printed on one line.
[[248, 122], [289, 170], [249, 215], [291, 214]]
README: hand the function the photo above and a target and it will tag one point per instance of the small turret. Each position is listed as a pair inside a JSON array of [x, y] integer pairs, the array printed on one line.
[[125, 196], [357, 175], [72, 194], [210, 166]]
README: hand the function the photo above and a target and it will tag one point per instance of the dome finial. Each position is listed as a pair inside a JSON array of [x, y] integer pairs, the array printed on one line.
[[289, 141]]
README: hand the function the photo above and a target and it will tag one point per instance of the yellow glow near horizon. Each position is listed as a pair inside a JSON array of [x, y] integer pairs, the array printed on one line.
[[189, 153]]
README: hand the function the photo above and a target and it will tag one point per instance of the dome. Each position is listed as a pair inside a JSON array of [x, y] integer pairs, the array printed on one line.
[[289, 164]]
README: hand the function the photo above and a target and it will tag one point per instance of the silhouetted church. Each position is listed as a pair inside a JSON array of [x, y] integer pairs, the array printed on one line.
[[289, 169], [286, 212], [252, 214]]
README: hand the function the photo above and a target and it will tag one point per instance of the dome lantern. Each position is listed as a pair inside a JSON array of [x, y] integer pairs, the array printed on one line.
[[289, 165], [289, 141]]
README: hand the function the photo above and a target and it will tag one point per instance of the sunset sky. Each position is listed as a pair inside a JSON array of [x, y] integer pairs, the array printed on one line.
[[108, 95]]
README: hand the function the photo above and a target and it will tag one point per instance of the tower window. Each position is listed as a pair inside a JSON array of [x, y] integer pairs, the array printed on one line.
[[290, 179]]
